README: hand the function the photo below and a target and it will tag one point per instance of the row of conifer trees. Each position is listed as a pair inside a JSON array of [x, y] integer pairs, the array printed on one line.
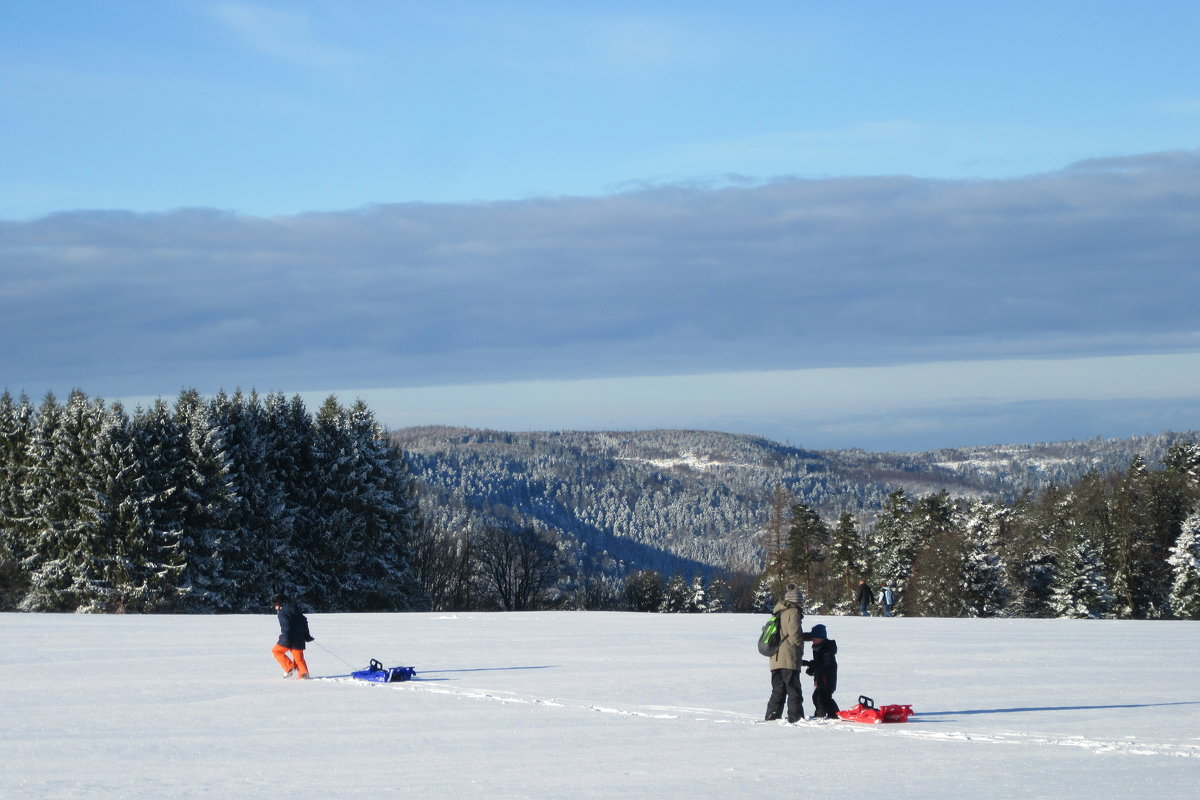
[[206, 505], [1121, 545]]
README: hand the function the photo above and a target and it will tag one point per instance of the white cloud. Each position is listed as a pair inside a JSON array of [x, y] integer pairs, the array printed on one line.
[[285, 35]]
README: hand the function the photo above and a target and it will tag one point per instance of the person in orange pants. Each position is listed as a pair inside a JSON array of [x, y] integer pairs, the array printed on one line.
[[293, 636], [292, 661]]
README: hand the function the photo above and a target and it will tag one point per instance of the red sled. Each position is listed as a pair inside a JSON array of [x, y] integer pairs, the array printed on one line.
[[866, 711]]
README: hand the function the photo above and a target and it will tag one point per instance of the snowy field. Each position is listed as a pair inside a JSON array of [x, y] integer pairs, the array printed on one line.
[[558, 705]]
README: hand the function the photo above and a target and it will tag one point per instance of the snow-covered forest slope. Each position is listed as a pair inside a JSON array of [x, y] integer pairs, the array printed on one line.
[[677, 500]]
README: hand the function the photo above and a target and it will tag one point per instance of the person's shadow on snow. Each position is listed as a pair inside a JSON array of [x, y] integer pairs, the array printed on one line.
[[965, 712]]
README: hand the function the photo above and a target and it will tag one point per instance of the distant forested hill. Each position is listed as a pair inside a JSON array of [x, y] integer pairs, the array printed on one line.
[[681, 501]]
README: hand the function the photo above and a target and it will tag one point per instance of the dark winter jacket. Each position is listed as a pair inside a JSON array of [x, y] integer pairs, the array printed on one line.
[[823, 666], [293, 628], [865, 595], [791, 637]]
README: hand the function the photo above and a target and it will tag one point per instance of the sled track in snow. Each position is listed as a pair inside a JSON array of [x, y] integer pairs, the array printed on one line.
[[909, 729], [1127, 746]]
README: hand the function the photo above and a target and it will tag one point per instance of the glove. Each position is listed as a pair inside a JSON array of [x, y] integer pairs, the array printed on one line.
[[309, 639], [808, 671]]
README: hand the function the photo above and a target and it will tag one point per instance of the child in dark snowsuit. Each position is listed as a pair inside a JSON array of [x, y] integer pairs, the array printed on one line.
[[823, 668]]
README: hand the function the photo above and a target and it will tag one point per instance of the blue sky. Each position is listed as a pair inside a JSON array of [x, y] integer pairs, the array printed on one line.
[[875, 224]]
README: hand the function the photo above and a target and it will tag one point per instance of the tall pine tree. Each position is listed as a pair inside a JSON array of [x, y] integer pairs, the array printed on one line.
[[1082, 591], [808, 536], [893, 544], [984, 589], [157, 556], [16, 434], [209, 539], [844, 563], [1184, 561]]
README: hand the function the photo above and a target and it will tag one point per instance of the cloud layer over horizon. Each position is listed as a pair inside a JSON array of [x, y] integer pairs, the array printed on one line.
[[1095, 259]]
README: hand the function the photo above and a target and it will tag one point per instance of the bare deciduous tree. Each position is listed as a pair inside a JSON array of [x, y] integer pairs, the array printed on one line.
[[517, 568]]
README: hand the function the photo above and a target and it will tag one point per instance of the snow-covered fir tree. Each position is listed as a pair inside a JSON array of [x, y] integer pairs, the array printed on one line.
[[256, 504], [935, 585], [676, 596], [209, 536], [893, 544], [984, 590], [844, 564], [110, 533], [698, 596], [387, 519], [1030, 552], [60, 488], [1081, 591], [1184, 458], [764, 597], [719, 596], [292, 461], [1185, 568], [16, 433], [157, 555]]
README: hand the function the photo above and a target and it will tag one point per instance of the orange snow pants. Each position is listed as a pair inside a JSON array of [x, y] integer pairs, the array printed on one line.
[[296, 662]]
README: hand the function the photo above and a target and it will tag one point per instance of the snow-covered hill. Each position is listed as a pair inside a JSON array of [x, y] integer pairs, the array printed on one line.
[[682, 500], [590, 705]]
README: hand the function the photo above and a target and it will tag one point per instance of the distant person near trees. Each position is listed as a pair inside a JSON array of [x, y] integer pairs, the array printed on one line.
[[785, 664], [865, 596], [293, 636], [887, 599]]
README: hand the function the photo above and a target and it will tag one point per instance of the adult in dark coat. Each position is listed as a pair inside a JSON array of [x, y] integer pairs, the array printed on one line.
[[786, 663], [864, 597], [293, 636], [823, 668]]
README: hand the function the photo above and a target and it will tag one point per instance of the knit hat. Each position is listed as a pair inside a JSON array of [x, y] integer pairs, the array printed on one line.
[[279, 600], [818, 632], [793, 595]]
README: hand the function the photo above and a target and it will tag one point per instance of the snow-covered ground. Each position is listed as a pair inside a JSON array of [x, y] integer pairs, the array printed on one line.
[[557, 705]]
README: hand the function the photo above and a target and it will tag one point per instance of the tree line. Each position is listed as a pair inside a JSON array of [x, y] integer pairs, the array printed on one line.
[[1118, 545], [203, 505], [213, 505]]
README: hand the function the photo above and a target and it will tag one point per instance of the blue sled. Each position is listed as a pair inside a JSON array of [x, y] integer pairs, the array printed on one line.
[[378, 673]]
